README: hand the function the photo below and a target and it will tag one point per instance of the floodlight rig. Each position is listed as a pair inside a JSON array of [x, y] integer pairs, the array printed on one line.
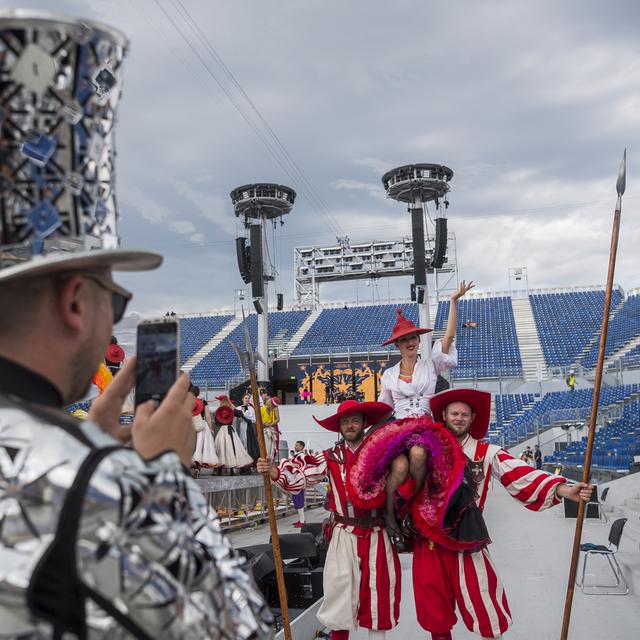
[[257, 204], [417, 184]]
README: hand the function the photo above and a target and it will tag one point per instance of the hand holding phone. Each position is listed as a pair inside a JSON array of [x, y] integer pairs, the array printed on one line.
[[158, 357], [167, 428]]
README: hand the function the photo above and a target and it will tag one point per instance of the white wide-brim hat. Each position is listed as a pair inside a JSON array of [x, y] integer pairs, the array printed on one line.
[[59, 262]]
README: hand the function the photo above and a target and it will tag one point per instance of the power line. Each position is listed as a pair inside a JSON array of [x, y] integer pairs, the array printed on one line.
[[221, 63], [267, 144]]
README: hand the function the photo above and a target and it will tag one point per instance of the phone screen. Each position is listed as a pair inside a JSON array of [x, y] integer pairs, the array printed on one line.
[[157, 360]]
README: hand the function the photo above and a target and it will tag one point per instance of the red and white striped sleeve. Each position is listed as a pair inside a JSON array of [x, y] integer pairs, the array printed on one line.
[[534, 488], [294, 477]]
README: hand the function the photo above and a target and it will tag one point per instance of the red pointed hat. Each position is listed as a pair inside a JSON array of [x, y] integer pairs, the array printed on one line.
[[373, 412], [403, 327], [479, 401], [115, 353], [198, 406]]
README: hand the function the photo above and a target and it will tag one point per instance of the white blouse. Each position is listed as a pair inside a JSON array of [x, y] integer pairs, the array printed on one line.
[[412, 398]]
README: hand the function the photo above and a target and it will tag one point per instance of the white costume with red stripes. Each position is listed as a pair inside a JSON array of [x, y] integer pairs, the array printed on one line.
[[362, 575], [443, 579]]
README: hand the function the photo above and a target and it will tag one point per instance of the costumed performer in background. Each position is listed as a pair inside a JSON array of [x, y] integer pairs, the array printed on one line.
[[204, 454], [362, 574], [270, 414], [228, 445], [298, 456], [247, 417], [409, 385], [115, 356]]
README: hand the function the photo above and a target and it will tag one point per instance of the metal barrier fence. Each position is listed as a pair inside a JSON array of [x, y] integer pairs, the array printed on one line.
[[240, 500]]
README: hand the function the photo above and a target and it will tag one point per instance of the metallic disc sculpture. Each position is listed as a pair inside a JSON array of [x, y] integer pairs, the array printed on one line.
[[60, 83], [417, 184], [256, 204]]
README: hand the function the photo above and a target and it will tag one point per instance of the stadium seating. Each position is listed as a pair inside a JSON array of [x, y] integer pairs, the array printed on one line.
[[353, 329], [490, 349], [632, 358], [624, 326], [221, 364], [614, 446], [553, 408], [567, 321], [194, 332], [507, 405]]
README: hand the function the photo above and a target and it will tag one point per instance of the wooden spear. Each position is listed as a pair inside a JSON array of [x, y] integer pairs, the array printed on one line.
[[249, 358], [586, 471]]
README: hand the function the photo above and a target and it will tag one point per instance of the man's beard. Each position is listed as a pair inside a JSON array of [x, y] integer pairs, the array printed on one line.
[[84, 367], [351, 437], [459, 432]]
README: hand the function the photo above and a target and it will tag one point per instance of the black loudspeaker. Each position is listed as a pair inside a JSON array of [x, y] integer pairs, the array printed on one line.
[[440, 250], [244, 259], [257, 276], [304, 586], [258, 306], [280, 299], [417, 293], [419, 259]]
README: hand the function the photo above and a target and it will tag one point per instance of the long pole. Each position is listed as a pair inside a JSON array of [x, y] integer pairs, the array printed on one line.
[[586, 472], [263, 318], [275, 540]]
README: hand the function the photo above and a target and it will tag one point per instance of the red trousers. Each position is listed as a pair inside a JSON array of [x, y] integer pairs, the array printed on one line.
[[443, 579]]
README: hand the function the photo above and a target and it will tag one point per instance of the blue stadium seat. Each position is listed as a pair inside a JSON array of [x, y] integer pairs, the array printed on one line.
[[490, 349], [195, 331], [221, 364], [624, 326], [567, 321], [353, 329]]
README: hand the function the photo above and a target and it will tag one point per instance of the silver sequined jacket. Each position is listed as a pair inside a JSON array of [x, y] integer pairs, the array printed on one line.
[[97, 543]]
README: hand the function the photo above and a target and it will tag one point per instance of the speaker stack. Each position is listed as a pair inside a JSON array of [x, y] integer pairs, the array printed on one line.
[[257, 279], [440, 249], [244, 259]]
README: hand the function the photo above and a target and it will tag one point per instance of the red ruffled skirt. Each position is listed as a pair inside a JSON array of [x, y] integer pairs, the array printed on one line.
[[444, 509]]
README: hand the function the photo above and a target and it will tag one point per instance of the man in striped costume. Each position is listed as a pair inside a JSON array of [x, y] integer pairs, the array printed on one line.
[[443, 578], [362, 573]]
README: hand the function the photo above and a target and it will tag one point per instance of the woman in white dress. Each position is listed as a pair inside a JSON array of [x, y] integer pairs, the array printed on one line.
[[204, 455], [408, 387], [230, 449]]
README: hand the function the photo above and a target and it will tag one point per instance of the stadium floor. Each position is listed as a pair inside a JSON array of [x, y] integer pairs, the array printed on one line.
[[532, 553]]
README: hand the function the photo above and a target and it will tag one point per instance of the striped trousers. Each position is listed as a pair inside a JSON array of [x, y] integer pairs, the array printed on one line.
[[362, 579], [443, 579]]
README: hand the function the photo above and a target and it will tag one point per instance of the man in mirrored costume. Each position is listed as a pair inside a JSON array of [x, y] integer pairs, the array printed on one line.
[[98, 539]]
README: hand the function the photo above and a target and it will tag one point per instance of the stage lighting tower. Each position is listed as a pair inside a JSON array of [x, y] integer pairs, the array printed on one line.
[[417, 184], [258, 204]]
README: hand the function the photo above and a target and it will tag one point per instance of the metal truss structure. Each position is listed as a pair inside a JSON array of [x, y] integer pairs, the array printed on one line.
[[365, 261]]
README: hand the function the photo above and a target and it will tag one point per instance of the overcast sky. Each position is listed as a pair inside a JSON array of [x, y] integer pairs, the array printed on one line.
[[530, 103]]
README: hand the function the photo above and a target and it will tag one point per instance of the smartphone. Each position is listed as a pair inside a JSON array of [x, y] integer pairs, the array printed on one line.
[[158, 357]]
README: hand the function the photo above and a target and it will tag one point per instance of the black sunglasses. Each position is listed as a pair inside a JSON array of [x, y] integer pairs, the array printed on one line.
[[119, 295]]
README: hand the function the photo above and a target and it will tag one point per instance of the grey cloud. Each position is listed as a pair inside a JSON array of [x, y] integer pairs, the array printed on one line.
[[529, 103]]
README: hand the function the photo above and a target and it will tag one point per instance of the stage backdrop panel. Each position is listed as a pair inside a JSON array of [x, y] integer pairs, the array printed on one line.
[[342, 379], [365, 380], [320, 383]]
